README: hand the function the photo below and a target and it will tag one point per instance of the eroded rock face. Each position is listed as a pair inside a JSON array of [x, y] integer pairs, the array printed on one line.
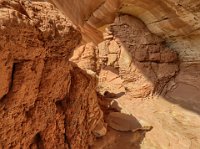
[[141, 59], [48, 102], [130, 59], [45, 100], [133, 64], [86, 57], [174, 115], [168, 18]]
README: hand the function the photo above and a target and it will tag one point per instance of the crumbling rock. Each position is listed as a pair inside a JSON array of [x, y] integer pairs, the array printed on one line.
[[48, 102], [138, 59], [45, 100], [123, 122], [141, 59]]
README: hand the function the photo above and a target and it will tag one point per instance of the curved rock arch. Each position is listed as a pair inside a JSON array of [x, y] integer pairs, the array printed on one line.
[[167, 18]]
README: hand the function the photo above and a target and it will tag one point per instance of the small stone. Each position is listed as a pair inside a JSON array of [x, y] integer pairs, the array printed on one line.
[[108, 94], [100, 130], [116, 105], [122, 122], [113, 47], [108, 37], [107, 30]]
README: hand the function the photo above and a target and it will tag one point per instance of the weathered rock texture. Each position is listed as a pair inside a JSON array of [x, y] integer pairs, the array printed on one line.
[[141, 59], [167, 18], [159, 55], [45, 101], [131, 57], [148, 47]]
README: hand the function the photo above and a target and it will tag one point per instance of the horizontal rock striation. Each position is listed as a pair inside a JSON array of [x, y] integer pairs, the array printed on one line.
[[175, 21]]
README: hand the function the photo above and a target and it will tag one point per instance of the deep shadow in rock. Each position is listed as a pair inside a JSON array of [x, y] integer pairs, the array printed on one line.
[[108, 94]]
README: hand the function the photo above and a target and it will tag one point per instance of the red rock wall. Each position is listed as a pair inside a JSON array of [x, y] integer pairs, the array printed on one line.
[[45, 101]]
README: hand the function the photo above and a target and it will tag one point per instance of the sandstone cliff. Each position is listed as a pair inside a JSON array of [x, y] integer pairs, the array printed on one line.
[[141, 56], [159, 56]]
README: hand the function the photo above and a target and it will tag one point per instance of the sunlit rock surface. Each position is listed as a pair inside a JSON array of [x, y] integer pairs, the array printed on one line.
[[173, 26], [144, 62]]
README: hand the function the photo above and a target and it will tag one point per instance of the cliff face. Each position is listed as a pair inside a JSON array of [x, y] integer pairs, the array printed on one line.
[[144, 78], [45, 100], [167, 18], [175, 21], [144, 62], [146, 48]]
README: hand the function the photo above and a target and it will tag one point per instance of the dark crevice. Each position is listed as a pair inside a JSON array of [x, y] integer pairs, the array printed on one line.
[[61, 107], [12, 76], [65, 135], [29, 112], [3, 99], [23, 11], [38, 141]]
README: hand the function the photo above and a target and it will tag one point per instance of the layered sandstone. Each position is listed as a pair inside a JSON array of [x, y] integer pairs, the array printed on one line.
[[138, 60], [177, 22], [144, 59], [167, 18]]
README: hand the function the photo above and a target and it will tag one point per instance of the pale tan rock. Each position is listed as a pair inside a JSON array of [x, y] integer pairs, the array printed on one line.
[[113, 47], [100, 130], [125, 58], [86, 57], [122, 122], [112, 59], [108, 37]]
